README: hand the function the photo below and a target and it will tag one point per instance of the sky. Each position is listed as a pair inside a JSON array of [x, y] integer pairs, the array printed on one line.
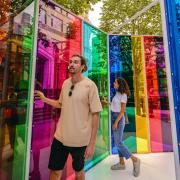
[[95, 14]]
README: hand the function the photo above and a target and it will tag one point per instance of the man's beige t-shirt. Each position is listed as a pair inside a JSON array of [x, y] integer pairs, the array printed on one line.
[[75, 125]]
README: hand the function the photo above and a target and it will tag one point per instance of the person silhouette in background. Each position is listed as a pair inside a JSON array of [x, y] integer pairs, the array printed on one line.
[[118, 107]]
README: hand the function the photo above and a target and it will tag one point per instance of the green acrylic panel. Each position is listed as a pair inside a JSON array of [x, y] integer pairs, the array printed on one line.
[[16, 49], [95, 51]]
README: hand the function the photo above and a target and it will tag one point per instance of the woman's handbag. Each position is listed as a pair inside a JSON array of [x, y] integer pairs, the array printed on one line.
[[126, 118]]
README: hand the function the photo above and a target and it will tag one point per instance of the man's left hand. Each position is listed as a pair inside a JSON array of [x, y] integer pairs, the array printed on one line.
[[89, 151]]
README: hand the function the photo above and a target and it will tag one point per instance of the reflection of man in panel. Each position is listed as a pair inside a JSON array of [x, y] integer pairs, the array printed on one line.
[[76, 131], [151, 102], [11, 119]]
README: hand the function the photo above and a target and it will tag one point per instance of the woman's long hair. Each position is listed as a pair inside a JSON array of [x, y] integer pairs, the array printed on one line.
[[123, 86]]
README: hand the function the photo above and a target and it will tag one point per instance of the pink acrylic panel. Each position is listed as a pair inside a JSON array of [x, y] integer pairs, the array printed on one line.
[[59, 37]]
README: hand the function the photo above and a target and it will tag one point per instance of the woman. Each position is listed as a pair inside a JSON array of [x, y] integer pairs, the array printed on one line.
[[118, 107]]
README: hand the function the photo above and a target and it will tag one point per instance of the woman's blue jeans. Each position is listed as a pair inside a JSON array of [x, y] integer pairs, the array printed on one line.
[[118, 136]]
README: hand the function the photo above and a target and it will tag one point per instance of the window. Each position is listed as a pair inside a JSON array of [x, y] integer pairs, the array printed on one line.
[[70, 16], [64, 12], [42, 16], [52, 22], [57, 23], [58, 9]]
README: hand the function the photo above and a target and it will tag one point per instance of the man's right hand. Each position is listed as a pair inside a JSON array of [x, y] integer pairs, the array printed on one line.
[[39, 94]]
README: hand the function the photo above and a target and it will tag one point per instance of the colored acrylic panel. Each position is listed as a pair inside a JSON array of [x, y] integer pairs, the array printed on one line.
[[59, 37], [142, 127], [16, 49], [158, 104], [163, 95], [95, 51], [172, 9], [120, 62]]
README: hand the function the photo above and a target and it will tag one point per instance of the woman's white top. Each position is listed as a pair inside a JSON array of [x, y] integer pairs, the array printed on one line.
[[117, 100]]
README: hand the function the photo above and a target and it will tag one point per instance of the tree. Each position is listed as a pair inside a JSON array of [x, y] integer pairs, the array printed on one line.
[[115, 12], [78, 7], [4, 10]]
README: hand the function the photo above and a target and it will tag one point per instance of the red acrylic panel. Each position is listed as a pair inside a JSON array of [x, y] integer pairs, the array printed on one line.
[[153, 95], [158, 102]]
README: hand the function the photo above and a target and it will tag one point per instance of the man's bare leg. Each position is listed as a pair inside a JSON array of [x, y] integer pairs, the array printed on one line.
[[55, 175], [80, 175]]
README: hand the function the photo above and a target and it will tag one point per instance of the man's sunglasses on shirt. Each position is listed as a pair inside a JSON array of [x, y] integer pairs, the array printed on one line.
[[71, 89]]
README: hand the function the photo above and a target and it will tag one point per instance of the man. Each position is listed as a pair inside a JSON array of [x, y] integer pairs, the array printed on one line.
[[77, 129]]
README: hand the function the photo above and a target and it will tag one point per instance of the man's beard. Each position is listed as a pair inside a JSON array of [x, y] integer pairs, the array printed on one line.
[[74, 71]]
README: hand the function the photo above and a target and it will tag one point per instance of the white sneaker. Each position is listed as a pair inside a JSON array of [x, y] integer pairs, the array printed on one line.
[[136, 165], [118, 166]]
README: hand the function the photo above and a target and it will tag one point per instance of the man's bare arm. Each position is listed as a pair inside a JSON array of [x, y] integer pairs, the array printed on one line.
[[52, 102], [95, 124]]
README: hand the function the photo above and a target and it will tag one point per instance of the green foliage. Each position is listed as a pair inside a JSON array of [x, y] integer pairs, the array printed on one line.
[[126, 54], [17, 5], [115, 12], [78, 7], [4, 9]]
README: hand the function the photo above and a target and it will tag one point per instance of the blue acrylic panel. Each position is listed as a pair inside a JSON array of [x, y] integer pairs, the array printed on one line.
[[120, 65], [172, 9]]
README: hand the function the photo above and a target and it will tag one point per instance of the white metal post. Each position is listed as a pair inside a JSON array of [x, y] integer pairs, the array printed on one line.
[[30, 117]]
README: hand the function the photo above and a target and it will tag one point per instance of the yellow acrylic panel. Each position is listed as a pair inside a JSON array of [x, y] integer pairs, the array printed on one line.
[[142, 137]]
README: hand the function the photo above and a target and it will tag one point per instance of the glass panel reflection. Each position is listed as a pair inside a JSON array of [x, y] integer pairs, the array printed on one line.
[[172, 9], [59, 37], [16, 40], [95, 51], [158, 103], [120, 60], [142, 127]]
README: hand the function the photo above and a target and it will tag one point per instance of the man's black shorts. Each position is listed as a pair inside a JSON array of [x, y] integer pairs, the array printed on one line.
[[59, 154]]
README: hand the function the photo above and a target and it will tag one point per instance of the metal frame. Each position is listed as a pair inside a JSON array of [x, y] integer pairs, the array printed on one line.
[[110, 141], [31, 93]]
